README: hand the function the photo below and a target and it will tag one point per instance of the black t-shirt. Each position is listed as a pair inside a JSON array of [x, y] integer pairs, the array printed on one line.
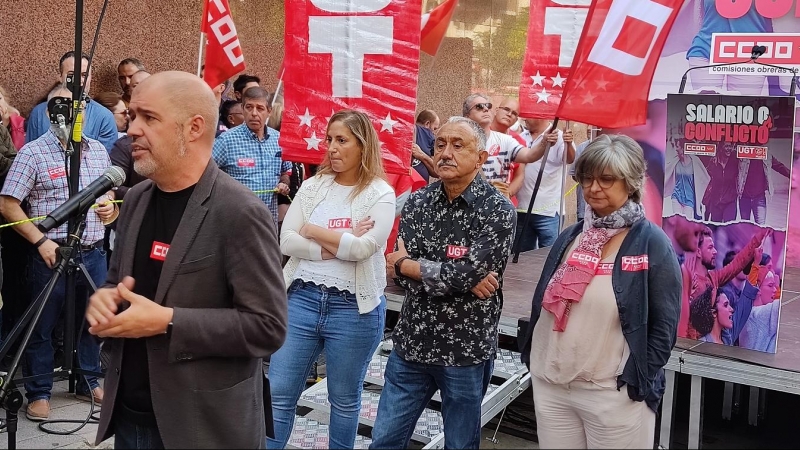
[[160, 222]]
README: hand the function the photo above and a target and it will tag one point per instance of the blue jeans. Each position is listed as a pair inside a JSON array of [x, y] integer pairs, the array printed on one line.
[[410, 386], [541, 231], [39, 354], [128, 435], [755, 205], [324, 318]]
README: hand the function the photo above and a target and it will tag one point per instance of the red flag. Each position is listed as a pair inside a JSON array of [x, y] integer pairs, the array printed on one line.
[[615, 61], [553, 34], [434, 26], [224, 57], [361, 55]]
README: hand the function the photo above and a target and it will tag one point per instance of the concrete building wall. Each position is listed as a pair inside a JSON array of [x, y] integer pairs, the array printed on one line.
[[164, 34]]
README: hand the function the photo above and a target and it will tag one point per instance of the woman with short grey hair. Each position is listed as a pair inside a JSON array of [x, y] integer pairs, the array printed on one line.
[[605, 312]]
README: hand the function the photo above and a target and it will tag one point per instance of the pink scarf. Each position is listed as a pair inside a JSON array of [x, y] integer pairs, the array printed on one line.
[[574, 275]]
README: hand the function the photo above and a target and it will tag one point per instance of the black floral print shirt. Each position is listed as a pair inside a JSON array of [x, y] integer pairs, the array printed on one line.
[[457, 245]]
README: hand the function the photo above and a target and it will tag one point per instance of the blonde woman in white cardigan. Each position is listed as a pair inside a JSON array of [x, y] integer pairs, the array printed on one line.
[[334, 233]]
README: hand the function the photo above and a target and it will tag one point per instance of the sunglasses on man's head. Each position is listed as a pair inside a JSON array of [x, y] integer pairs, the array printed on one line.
[[483, 106]]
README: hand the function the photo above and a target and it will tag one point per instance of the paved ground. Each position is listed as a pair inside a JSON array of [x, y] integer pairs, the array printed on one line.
[[65, 406]]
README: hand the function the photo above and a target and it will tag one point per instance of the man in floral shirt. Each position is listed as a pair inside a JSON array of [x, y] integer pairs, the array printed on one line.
[[455, 239]]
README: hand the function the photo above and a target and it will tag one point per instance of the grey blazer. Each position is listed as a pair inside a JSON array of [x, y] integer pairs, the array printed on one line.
[[223, 278]]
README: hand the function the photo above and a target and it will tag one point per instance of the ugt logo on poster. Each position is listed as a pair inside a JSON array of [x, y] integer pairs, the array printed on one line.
[[350, 54]]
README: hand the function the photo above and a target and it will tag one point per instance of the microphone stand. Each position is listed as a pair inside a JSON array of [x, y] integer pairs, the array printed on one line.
[[756, 53], [518, 238], [10, 397]]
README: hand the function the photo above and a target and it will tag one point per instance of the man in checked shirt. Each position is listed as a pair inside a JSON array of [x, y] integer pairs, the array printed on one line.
[[455, 239], [38, 174], [250, 153]]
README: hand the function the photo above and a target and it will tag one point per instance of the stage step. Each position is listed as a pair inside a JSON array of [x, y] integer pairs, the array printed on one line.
[[506, 365], [316, 397], [310, 434]]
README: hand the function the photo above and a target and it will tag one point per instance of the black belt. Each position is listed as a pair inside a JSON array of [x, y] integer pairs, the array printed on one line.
[[86, 248]]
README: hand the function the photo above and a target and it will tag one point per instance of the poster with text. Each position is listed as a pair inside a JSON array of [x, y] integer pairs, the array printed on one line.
[[710, 32], [727, 181]]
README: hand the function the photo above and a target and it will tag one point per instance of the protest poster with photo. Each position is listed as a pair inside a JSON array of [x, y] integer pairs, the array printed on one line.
[[727, 181]]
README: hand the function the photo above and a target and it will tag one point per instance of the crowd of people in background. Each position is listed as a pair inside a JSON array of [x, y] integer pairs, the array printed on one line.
[[444, 232]]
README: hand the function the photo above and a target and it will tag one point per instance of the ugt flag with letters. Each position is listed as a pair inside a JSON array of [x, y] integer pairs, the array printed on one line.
[[224, 57], [350, 54], [614, 64]]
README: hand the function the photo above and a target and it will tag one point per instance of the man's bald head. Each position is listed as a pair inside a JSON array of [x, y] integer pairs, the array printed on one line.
[[138, 77], [186, 96]]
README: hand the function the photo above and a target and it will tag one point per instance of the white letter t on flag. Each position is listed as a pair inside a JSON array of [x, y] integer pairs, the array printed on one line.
[[348, 39]]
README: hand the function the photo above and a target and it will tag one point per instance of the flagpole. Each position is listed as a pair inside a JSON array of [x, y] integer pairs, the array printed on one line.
[[518, 238], [200, 53], [278, 89], [561, 209]]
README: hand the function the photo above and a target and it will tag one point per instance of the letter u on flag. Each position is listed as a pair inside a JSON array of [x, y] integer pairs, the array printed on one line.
[[350, 54], [224, 57], [614, 64]]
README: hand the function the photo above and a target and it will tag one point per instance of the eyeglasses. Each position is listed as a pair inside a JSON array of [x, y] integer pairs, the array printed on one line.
[[605, 181], [509, 110], [482, 106]]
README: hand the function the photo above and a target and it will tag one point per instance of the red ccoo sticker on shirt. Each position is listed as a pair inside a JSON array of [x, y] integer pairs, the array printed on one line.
[[57, 172], [581, 259], [605, 269], [340, 224], [457, 251], [246, 162], [159, 251], [635, 263]]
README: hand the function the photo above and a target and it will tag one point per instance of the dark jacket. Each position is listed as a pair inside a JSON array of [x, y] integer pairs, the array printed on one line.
[[120, 155], [7, 152], [649, 303], [223, 278]]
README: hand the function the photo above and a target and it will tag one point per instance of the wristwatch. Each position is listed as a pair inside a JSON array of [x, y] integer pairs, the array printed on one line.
[[169, 330]]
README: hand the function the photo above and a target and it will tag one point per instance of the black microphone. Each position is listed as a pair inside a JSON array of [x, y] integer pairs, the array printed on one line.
[[83, 200], [755, 53]]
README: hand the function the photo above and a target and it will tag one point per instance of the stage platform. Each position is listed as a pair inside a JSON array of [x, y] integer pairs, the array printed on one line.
[[779, 372]]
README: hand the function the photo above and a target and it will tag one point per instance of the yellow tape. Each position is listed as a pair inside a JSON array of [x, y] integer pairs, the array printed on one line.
[[34, 219], [77, 129], [569, 192], [270, 191]]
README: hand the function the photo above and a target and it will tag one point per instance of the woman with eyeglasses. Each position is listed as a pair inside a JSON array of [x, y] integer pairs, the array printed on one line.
[[605, 313], [113, 102]]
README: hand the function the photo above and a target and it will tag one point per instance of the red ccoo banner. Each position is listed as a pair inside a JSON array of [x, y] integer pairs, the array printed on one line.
[[615, 61], [224, 57], [349, 54]]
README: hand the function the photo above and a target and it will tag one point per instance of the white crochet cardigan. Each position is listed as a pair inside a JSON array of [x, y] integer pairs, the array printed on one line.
[[370, 280]]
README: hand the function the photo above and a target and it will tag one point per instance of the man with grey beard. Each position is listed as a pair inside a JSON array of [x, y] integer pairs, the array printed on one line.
[[38, 174], [194, 297]]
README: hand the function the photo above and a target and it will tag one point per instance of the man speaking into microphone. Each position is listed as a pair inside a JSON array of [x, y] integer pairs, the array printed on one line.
[[194, 297], [38, 174]]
